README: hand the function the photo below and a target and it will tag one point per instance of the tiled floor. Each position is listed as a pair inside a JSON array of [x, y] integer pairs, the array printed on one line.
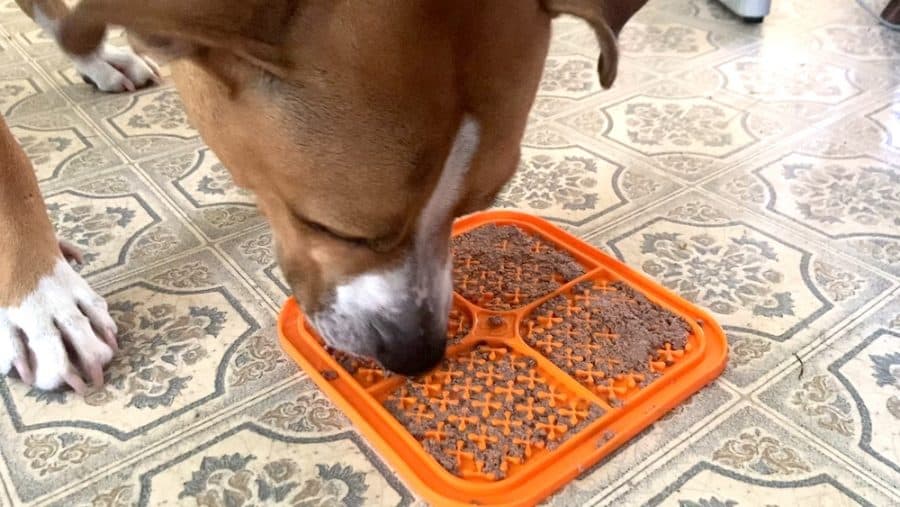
[[749, 168]]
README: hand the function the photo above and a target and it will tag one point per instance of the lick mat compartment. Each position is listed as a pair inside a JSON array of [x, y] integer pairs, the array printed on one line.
[[557, 355]]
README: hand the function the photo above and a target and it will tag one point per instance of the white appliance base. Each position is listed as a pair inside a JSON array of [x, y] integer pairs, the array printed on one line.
[[750, 10]]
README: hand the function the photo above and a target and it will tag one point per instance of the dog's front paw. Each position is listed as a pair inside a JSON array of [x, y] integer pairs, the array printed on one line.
[[117, 69], [61, 333]]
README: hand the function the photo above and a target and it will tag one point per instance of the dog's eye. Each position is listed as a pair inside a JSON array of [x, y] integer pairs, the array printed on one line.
[[360, 241], [380, 245], [322, 229]]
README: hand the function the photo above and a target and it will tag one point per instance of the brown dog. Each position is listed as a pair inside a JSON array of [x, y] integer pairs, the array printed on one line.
[[362, 126]]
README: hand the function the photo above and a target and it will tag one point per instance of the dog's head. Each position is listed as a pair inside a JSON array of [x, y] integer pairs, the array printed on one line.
[[363, 128]]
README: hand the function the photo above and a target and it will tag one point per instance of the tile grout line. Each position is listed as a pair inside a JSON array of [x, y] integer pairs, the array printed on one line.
[[247, 278], [104, 283], [892, 296], [827, 449], [807, 350], [812, 236], [251, 285], [691, 434], [605, 228], [658, 456]]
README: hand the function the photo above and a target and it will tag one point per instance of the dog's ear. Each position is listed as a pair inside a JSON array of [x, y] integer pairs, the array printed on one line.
[[606, 17], [254, 30]]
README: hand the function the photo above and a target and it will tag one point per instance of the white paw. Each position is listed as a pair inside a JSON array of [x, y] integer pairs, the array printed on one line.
[[59, 334], [117, 69]]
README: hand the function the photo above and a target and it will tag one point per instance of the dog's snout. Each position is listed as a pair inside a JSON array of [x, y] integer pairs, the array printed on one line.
[[412, 346]]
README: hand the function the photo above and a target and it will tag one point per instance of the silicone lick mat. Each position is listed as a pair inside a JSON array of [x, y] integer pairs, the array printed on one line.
[[534, 389]]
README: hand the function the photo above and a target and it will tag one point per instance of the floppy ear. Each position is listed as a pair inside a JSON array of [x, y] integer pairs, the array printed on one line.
[[606, 17], [254, 30]]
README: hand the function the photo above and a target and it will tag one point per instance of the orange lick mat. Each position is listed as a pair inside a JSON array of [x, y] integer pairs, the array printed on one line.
[[558, 355]]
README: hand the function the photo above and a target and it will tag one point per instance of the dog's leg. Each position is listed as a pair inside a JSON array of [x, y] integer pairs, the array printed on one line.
[[54, 329], [109, 68]]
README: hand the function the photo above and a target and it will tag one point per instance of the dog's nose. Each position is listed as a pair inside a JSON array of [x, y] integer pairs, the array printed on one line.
[[414, 347]]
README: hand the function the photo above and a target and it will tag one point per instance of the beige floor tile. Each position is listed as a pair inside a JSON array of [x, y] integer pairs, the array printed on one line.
[[291, 448], [580, 187], [607, 477], [254, 253], [204, 190], [145, 123], [684, 132], [807, 84], [851, 203], [118, 222], [24, 92]]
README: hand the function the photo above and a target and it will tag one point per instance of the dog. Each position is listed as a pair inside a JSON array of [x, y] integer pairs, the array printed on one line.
[[363, 127]]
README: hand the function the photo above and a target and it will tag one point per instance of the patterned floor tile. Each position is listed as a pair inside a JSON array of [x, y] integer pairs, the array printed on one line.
[[744, 459], [852, 203], [293, 448], [570, 76], [807, 84], [8, 53], [23, 92], [117, 222], [577, 187], [886, 119], [145, 123], [62, 147], [661, 44], [848, 393], [685, 133], [254, 253], [194, 341], [773, 295], [580, 41], [558, 104], [645, 448], [860, 42], [792, 16], [203, 189], [28, 36]]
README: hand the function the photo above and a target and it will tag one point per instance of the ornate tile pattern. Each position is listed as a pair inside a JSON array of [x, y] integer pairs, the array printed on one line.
[[22, 92], [578, 188], [62, 146], [752, 168], [202, 187], [145, 123], [118, 222], [850, 202]]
